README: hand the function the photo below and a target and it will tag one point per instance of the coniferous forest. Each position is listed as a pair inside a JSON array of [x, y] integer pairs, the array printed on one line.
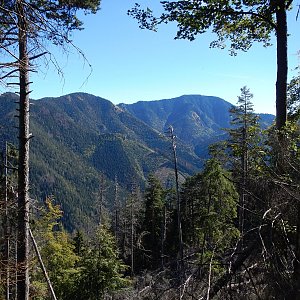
[[187, 198]]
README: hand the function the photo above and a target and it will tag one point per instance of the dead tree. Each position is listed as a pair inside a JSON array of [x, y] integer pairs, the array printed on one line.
[[25, 24], [172, 136]]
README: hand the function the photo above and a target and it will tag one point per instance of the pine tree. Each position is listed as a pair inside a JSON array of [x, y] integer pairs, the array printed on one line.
[[153, 220], [217, 211], [101, 270], [244, 144], [191, 206]]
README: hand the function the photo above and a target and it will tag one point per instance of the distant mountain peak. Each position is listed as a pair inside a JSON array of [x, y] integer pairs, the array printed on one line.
[[79, 136]]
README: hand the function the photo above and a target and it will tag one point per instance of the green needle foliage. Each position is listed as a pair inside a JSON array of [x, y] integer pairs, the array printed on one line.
[[245, 154], [57, 252], [153, 220], [100, 268], [241, 22], [209, 211], [219, 203], [293, 102], [77, 269], [245, 136]]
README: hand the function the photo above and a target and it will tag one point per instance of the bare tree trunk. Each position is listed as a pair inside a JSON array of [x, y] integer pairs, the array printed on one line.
[[23, 164], [225, 278], [6, 230], [180, 241], [282, 65], [117, 211], [100, 200], [163, 237], [177, 196], [132, 235], [42, 265]]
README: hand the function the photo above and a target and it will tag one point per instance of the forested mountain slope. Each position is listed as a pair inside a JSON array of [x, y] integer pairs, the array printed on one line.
[[80, 137], [197, 120], [77, 138]]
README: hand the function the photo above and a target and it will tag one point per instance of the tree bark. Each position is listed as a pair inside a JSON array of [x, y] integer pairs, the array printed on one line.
[[177, 197], [6, 230], [23, 164], [282, 66]]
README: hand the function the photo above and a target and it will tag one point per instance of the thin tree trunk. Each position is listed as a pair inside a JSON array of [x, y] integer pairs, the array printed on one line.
[[163, 237], [42, 265], [244, 164], [296, 274], [6, 230], [117, 211], [282, 66], [23, 164], [224, 279], [177, 197], [132, 235], [100, 199]]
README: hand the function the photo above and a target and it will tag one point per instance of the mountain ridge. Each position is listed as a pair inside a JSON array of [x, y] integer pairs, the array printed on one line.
[[79, 137], [197, 120]]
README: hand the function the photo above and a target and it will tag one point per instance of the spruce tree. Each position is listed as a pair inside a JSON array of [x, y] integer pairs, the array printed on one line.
[[101, 270], [153, 221], [191, 206], [217, 206], [244, 144]]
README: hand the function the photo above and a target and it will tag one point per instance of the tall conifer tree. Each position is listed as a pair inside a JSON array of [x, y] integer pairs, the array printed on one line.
[[25, 26], [244, 138], [153, 220]]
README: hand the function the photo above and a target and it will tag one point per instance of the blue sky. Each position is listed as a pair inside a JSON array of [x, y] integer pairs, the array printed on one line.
[[130, 64]]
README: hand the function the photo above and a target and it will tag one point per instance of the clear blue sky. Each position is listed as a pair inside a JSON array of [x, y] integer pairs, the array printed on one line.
[[130, 64]]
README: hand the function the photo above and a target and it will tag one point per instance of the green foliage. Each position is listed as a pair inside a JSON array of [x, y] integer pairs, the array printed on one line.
[[282, 150], [210, 209], [191, 209], [46, 20], [77, 269], [78, 242], [153, 221], [57, 251], [219, 198], [293, 99], [242, 114], [241, 22], [245, 136], [100, 268]]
